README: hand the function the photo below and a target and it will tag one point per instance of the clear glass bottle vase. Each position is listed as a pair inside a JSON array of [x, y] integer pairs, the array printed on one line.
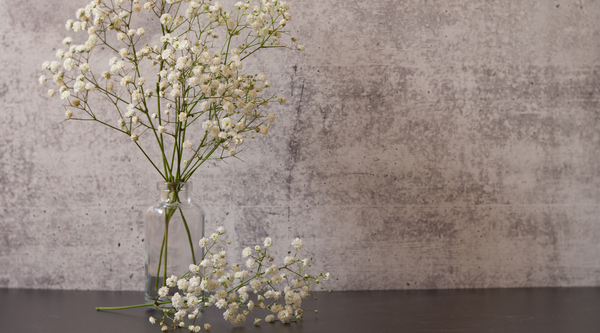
[[174, 226]]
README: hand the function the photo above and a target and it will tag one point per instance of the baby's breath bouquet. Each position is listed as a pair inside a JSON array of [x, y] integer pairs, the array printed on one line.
[[191, 75], [169, 75]]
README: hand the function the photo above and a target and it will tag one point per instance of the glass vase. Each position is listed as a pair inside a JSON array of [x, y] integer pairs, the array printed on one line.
[[174, 225]]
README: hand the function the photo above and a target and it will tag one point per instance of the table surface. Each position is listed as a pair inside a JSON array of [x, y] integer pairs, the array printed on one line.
[[530, 310]]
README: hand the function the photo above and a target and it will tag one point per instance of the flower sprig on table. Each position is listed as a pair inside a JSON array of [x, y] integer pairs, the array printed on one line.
[[278, 288]]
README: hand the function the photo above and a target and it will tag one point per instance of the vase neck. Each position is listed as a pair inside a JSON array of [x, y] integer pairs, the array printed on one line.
[[174, 192]]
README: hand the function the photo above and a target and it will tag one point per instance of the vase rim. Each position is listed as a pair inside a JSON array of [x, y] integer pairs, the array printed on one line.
[[169, 186]]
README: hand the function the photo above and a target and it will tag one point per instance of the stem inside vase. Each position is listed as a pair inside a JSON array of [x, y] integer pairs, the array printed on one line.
[[173, 227]]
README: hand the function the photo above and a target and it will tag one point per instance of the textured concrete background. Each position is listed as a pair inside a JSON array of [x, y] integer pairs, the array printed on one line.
[[425, 144]]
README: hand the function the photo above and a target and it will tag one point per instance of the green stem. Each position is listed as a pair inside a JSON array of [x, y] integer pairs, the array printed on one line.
[[149, 159], [189, 236], [189, 174], [167, 218], [160, 261], [129, 306]]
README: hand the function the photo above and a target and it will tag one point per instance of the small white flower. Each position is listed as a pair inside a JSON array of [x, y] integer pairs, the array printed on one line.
[[68, 64], [172, 281], [165, 19], [182, 284], [203, 242], [194, 268], [54, 66], [69, 24], [297, 243], [134, 137], [68, 114], [246, 252], [221, 230], [282, 99], [187, 144], [136, 96], [51, 92], [268, 242], [289, 260], [300, 48], [177, 301], [126, 80], [162, 129], [43, 80], [271, 270], [182, 116], [205, 89], [221, 303], [238, 140], [175, 92], [79, 86], [207, 125], [270, 318], [152, 320], [276, 279], [163, 291], [226, 123]]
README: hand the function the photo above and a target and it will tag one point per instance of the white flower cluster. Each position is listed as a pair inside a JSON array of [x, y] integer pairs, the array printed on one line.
[[195, 70], [237, 289]]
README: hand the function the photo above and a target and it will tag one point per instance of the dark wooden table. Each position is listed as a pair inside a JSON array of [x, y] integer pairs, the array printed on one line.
[[544, 310]]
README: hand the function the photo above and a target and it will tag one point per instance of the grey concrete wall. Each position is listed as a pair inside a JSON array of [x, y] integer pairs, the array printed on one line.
[[425, 144]]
